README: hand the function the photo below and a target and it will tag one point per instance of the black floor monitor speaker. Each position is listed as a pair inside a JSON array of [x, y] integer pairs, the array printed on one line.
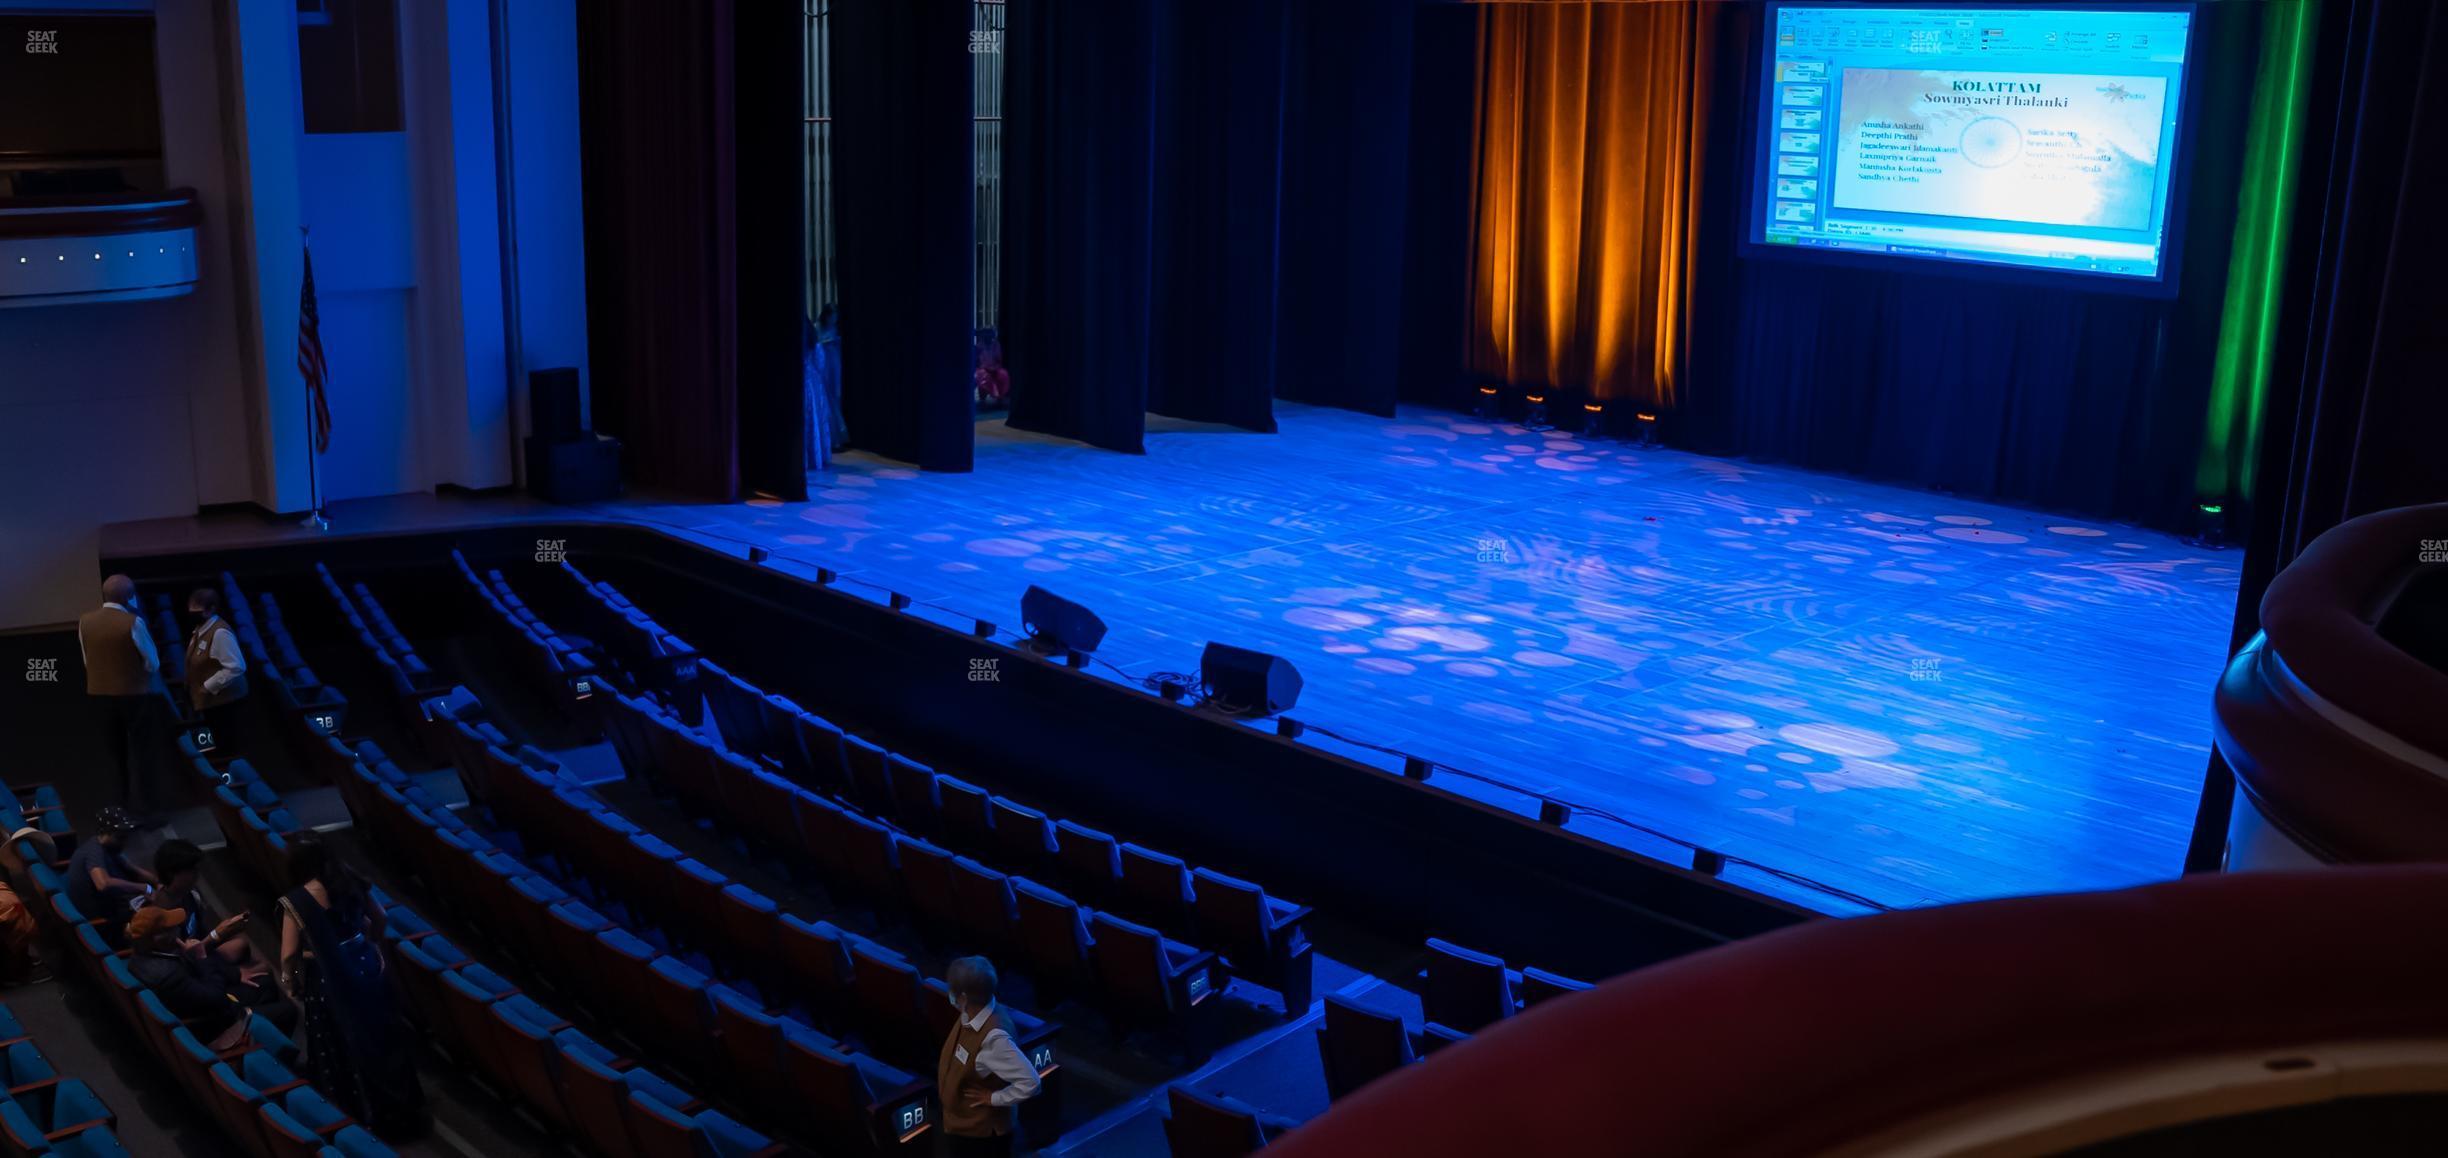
[[552, 403], [1250, 682], [1057, 624]]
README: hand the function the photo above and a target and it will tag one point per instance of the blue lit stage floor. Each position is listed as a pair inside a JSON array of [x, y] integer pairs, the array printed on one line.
[[1911, 697]]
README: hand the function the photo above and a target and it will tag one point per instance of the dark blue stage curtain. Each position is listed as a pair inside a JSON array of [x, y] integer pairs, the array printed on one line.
[[904, 206], [1214, 252], [2068, 399], [661, 263], [1346, 147], [1078, 122], [772, 228]]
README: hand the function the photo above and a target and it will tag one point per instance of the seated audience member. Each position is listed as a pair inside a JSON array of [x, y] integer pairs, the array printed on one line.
[[178, 864], [101, 881], [191, 988], [19, 964]]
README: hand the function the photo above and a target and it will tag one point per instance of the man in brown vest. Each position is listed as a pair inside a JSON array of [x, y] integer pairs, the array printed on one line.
[[982, 1073], [119, 674], [216, 669]]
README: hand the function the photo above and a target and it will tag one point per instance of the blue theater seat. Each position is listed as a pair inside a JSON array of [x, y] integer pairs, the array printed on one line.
[[1464, 989], [869, 787], [926, 883], [983, 906], [1052, 933], [850, 1104], [1539, 985], [874, 862], [1263, 938], [1155, 889], [817, 966], [916, 802], [968, 818], [663, 1132], [1359, 1045], [1206, 1126], [1146, 979], [1089, 862], [823, 743], [752, 930], [1023, 838], [886, 990]]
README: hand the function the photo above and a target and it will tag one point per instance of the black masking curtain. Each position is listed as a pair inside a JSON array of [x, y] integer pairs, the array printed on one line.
[[1078, 120], [904, 149]]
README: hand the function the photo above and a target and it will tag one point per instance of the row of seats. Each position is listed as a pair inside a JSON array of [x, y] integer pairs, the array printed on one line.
[[1203, 1125], [1135, 975], [551, 661], [1461, 992], [864, 989], [34, 805], [1263, 938], [249, 1090], [720, 1035], [275, 669], [410, 677], [257, 824], [621, 1109], [643, 656], [43, 1113], [1134, 888]]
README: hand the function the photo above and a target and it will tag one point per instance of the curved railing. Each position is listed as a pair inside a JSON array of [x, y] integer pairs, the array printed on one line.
[[2338, 736], [1894, 1033]]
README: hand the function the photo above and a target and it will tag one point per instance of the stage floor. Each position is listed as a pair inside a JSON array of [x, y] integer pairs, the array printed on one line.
[[1910, 697]]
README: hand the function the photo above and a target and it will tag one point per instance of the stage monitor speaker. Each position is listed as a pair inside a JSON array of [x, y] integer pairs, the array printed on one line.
[[1249, 682], [1058, 624], [552, 403]]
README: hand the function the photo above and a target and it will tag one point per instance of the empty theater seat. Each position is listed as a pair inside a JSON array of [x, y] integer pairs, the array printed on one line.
[[1146, 979], [1359, 1045], [1261, 937], [1539, 985], [1205, 1126], [1463, 989]]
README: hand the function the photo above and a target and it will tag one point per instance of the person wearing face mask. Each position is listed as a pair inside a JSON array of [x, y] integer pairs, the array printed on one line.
[[982, 1075]]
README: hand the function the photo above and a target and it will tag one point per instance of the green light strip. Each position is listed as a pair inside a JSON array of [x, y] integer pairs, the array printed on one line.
[[2256, 272]]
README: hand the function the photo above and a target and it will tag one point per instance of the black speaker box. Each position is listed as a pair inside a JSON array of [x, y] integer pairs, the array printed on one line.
[[1061, 624], [552, 403], [1250, 682]]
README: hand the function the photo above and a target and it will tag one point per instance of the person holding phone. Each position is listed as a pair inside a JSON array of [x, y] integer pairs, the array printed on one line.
[[178, 865]]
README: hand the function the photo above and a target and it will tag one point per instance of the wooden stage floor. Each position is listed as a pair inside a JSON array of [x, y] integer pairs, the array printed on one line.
[[1911, 697]]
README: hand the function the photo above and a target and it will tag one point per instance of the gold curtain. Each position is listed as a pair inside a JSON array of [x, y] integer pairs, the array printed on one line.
[[1588, 127]]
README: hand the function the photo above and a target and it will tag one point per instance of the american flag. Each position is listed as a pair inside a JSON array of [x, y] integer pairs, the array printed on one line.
[[310, 358]]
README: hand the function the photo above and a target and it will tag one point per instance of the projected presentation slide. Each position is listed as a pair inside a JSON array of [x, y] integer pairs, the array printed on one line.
[[2042, 138]]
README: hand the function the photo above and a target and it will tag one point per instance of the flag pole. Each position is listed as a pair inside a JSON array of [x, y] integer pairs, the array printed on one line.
[[314, 520]]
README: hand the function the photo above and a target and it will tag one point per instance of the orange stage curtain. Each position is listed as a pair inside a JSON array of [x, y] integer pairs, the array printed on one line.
[[1590, 122]]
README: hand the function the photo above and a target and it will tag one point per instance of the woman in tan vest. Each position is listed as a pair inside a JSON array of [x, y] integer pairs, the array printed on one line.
[[119, 675], [982, 1073], [216, 668]]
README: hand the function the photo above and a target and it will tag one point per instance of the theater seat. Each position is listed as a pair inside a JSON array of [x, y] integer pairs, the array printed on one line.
[[915, 803], [850, 1104], [869, 788], [926, 882], [1359, 1045], [1024, 838], [1156, 888], [1464, 989], [752, 937], [823, 743], [1263, 938], [1053, 940], [1205, 1126], [1089, 862], [663, 1132], [1147, 979], [875, 867], [983, 905], [887, 991], [1538, 985], [968, 820], [817, 966], [676, 1011], [752, 1046]]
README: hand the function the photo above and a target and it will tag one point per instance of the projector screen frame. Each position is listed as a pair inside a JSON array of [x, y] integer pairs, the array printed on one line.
[[2180, 180]]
